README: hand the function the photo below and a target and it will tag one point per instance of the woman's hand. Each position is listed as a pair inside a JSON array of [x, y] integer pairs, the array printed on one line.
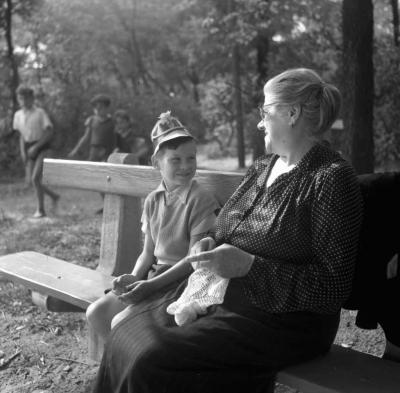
[[121, 283], [137, 291], [225, 260], [205, 244]]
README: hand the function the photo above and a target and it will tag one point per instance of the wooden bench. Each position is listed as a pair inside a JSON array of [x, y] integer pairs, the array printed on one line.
[[63, 286]]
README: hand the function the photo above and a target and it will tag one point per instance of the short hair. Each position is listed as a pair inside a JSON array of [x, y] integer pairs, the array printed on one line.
[[25, 91], [102, 98], [122, 114], [320, 101]]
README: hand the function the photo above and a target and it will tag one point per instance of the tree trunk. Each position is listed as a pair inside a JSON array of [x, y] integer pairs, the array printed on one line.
[[14, 80], [395, 13], [237, 100], [358, 84], [262, 48]]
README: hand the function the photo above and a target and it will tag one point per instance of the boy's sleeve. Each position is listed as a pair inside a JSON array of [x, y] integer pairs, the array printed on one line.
[[46, 122], [145, 215], [88, 123]]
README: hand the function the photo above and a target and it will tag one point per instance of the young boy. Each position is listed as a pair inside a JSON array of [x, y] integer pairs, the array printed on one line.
[[175, 216], [127, 141], [99, 131], [36, 133]]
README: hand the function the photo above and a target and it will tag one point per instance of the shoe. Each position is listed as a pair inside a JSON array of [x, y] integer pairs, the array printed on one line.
[[39, 214]]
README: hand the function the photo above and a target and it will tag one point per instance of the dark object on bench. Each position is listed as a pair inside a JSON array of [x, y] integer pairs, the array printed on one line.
[[374, 296], [66, 286]]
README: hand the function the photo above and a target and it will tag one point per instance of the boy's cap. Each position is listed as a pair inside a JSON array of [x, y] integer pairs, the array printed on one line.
[[103, 98], [166, 129]]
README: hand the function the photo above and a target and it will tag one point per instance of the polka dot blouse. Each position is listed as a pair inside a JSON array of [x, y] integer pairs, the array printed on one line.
[[303, 230]]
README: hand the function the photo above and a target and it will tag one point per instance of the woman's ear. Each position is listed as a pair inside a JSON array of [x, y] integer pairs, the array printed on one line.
[[294, 114]]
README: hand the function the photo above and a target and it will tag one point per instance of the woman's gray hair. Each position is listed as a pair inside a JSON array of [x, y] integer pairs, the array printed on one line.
[[319, 101]]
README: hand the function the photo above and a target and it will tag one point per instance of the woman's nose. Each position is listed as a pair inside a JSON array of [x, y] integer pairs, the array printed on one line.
[[261, 125]]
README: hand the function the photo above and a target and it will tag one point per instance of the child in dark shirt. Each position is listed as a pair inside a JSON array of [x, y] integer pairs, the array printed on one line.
[[127, 141], [99, 131]]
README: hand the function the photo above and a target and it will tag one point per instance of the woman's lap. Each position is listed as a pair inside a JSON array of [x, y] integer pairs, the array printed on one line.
[[148, 352]]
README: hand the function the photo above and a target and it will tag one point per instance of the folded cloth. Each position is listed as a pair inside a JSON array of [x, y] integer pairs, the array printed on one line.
[[204, 289]]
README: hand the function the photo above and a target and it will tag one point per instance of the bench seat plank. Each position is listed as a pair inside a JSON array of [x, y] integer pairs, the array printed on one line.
[[343, 370], [71, 283]]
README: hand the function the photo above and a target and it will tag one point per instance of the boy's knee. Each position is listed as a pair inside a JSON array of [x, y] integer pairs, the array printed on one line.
[[90, 313], [36, 180], [96, 312]]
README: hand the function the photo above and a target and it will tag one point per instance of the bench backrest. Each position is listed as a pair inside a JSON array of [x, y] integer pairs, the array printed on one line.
[[124, 185]]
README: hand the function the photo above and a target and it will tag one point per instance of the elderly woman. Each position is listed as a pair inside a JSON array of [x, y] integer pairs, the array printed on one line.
[[286, 239]]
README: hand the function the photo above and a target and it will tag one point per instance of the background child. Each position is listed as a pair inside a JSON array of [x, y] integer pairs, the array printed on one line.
[[127, 141], [36, 133], [99, 131], [175, 216]]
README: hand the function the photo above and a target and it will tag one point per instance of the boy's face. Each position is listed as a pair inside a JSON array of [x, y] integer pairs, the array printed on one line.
[[25, 101], [121, 124], [100, 109], [178, 166]]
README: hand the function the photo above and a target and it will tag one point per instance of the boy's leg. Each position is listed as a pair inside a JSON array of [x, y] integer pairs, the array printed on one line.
[[100, 313], [37, 184], [28, 172], [39, 187]]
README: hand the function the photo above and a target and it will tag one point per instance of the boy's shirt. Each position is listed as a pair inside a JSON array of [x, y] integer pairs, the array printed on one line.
[[31, 123], [102, 131], [172, 218]]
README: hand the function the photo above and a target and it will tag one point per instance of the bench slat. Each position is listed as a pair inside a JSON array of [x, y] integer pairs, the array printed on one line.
[[130, 180], [343, 370], [63, 280]]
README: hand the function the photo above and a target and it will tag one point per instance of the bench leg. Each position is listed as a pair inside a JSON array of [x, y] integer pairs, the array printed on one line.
[[50, 303], [95, 344]]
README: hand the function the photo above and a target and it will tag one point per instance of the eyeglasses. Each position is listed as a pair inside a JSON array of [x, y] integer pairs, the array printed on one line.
[[263, 112]]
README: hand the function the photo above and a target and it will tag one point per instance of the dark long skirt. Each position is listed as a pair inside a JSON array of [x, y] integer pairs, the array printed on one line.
[[235, 347]]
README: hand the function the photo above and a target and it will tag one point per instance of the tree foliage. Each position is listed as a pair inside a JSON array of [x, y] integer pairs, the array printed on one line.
[[155, 55]]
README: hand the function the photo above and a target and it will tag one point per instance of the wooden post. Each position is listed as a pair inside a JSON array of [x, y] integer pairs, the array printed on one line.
[[121, 240], [121, 233]]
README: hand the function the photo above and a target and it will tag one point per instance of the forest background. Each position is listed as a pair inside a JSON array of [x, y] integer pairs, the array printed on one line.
[[206, 60]]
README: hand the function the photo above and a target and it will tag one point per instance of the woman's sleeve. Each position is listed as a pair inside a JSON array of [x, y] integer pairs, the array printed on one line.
[[322, 283]]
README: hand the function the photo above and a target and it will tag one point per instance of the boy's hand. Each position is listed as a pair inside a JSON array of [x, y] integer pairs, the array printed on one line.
[[136, 292], [121, 283]]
